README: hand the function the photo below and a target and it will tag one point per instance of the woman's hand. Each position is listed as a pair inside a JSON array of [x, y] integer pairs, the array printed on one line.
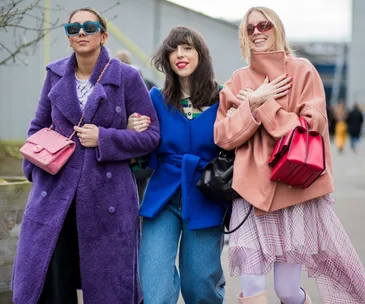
[[234, 108], [138, 122], [277, 88], [88, 135], [231, 111]]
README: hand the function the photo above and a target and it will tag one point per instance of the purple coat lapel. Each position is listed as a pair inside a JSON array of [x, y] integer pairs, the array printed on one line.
[[71, 109], [66, 70], [96, 97]]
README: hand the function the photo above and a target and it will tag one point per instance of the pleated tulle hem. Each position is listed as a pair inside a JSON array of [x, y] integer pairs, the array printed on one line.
[[309, 234]]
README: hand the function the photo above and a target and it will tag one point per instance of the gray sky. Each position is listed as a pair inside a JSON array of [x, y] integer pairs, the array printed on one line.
[[325, 20]]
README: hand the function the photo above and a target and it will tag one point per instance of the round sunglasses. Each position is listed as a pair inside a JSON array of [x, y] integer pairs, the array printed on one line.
[[262, 26], [89, 27]]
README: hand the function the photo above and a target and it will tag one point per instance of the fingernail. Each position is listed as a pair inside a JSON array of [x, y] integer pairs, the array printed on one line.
[[286, 74], [138, 115], [291, 84]]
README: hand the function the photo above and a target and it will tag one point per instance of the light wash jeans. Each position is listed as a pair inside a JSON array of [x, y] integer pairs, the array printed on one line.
[[201, 275]]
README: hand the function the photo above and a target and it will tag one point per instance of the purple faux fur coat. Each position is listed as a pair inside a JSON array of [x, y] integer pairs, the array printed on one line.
[[98, 178]]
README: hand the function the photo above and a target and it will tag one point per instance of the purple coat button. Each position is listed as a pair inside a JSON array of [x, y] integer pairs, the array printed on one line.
[[109, 175], [111, 209]]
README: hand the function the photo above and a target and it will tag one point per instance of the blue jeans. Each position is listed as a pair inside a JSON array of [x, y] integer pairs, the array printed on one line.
[[201, 275], [354, 142]]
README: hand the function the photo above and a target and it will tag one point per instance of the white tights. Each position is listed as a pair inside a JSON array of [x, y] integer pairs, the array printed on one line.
[[286, 282]]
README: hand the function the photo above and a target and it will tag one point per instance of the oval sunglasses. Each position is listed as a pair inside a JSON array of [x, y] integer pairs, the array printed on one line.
[[89, 27], [262, 27]]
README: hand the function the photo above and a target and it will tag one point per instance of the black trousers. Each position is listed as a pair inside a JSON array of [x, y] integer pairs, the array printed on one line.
[[142, 176], [63, 275]]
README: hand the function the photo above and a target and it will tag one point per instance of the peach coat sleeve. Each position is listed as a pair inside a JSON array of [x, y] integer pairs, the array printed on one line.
[[311, 105], [231, 132]]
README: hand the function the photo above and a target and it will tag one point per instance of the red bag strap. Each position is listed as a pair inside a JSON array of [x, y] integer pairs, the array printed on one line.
[[284, 143], [303, 123], [82, 116]]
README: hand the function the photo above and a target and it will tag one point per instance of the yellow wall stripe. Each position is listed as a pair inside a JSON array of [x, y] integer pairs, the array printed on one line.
[[47, 38], [132, 47]]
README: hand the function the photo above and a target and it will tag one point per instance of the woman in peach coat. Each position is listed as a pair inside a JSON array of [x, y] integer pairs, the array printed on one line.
[[290, 227]]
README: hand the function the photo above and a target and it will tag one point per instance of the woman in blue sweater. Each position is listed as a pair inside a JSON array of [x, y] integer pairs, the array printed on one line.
[[177, 216]]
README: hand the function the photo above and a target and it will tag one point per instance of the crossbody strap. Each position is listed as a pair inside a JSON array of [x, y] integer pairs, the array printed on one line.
[[82, 116]]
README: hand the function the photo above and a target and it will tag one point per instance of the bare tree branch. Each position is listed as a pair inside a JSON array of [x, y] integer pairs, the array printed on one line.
[[14, 54], [32, 28], [17, 17]]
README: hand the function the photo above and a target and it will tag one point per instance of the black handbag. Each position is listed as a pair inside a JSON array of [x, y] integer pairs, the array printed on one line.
[[216, 183], [216, 180]]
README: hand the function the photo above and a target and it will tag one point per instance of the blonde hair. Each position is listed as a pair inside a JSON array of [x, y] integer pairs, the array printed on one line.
[[279, 32]]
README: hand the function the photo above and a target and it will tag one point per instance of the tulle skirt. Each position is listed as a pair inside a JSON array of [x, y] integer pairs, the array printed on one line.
[[309, 234]]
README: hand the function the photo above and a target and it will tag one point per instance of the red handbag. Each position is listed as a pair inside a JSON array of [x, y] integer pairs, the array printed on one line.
[[298, 158]]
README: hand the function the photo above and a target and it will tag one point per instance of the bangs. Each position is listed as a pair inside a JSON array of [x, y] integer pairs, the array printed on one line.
[[179, 37]]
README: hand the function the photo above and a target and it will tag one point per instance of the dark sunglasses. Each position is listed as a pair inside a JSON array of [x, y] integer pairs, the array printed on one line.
[[89, 27], [262, 26]]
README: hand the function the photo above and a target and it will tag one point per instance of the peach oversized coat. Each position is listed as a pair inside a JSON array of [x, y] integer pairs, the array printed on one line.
[[254, 135]]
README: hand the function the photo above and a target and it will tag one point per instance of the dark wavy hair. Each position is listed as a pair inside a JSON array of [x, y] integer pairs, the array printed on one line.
[[204, 90]]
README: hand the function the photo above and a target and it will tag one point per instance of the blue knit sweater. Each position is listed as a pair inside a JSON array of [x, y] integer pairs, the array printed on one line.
[[186, 147]]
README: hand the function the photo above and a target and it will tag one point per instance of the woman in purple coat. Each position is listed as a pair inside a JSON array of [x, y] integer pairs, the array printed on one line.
[[80, 227]]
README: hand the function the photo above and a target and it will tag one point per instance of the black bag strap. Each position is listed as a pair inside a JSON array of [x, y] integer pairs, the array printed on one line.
[[240, 224]]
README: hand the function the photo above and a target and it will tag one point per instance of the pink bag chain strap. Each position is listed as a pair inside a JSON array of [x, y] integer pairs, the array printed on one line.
[[82, 116]]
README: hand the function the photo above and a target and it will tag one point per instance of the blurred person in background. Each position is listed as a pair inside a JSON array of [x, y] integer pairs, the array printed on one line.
[[341, 128], [80, 227], [331, 115], [125, 57], [302, 229], [355, 120], [177, 217], [141, 174]]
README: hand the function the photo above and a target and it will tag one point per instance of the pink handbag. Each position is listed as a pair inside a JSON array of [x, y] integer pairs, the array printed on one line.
[[50, 150]]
